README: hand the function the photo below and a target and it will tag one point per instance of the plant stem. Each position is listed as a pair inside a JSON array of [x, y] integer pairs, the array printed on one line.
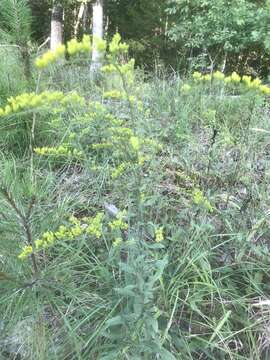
[[24, 220]]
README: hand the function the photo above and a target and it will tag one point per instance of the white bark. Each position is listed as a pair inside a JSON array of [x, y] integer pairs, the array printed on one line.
[[56, 27], [79, 18], [97, 32], [85, 17]]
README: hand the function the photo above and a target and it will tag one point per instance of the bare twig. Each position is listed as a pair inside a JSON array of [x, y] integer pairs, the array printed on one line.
[[10, 45], [44, 43]]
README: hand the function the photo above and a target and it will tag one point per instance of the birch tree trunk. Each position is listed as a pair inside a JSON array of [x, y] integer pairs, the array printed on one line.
[[97, 32], [56, 27], [85, 17], [79, 18]]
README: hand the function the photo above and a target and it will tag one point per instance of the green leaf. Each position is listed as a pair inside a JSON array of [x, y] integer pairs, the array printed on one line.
[[117, 320], [166, 355], [126, 291]]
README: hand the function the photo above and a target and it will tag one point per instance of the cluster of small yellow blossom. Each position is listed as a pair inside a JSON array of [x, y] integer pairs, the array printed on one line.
[[200, 199], [128, 67], [75, 228], [152, 143], [74, 98], [185, 88], [135, 143], [77, 47], [94, 225], [73, 47], [119, 170], [113, 94], [104, 145], [62, 150], [116, 47], [121, 132], [119, 223], [50, 57], [234, 78], [159, 236], [109, 69], [118, 95], [121, 138], [28, 101], [112, 120], [99, 44], [117, 242], [123, 69], [27, 250]]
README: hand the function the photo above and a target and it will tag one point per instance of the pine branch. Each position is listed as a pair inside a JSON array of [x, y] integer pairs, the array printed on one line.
[[15, 21]]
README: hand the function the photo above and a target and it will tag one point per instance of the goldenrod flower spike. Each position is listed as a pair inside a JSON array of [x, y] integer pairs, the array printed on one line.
[[159, 235]]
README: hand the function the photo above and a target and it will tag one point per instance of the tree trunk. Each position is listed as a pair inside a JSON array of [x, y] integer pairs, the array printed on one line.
[[26, 61], [79, 18], [97, 32], [85, 17], [56, 27]]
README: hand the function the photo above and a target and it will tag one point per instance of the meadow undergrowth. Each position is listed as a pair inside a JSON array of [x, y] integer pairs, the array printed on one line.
[[134, 215]]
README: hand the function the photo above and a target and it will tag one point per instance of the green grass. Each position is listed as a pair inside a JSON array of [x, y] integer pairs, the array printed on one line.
[[198, 293]]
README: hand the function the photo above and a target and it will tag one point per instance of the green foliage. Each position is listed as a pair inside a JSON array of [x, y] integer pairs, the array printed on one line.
[[178, 33], [10, 73], [214, 32], [15, 21], [15, 29], [143, 26]]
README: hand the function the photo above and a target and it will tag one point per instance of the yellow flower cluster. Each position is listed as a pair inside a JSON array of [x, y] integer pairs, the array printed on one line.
[[62, 150], [113, 94], [75, 47], [200, 199], [218, 75], [50, 57], [142, 159], [116, 47], [27, 250], [113, 120], [109, 69], [99, 44], [159, 235], [124, 69], [120, 132], [119, 223], [104, 145], [197, 76], [135, 143], [73, 97], [28, 101], [185, 88], [152, 143], [128, 67], [119, 170], [75, 228], [48, 239], [94, 225], [234, 78], [117, 242]]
